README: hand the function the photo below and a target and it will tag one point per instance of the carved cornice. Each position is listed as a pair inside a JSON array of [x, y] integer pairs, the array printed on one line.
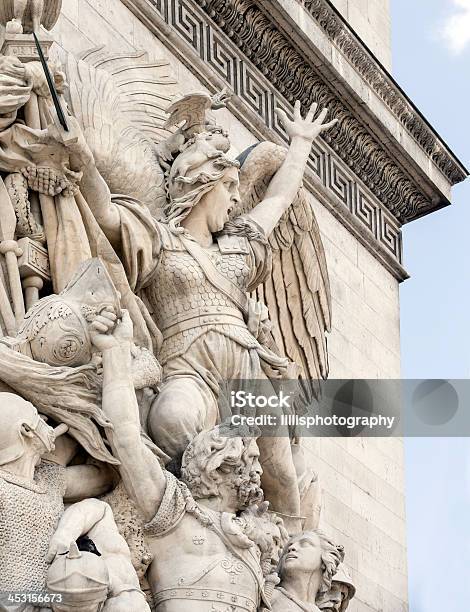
[[338, 31], [282, 64], [234, 43]]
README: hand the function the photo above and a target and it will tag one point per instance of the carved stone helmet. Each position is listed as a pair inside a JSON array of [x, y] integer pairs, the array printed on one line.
[[81, 578], [56, 327], [18, 414], [202, 159], [342, 576]]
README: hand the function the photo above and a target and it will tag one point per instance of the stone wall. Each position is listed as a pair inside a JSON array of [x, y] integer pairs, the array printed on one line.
[[362, 479], [371, 21]]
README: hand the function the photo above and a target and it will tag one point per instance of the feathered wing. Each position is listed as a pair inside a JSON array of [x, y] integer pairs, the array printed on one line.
[[120, 102], [297, 293]]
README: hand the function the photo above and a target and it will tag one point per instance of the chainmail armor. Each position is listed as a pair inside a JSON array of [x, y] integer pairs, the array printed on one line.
[[29, 514], [171, 509]]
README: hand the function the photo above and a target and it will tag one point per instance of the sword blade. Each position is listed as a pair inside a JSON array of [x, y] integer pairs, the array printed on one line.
[[50, 83]]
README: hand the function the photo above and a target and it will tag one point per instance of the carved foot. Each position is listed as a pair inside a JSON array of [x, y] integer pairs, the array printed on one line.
[[14, 27]]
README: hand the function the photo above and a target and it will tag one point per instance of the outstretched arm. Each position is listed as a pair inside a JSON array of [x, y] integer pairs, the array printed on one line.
[[140, 470], [288, 179]]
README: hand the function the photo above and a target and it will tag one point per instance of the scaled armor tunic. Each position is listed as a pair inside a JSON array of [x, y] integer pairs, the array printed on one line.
[[29, 514], [206, 340], [187, 305], [184, 303]]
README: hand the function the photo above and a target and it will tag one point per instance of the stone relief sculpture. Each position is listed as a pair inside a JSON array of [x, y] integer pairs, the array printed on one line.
[[139, 266], [90, 523], [230, 541], [32, 505], [307, 565], [341, 592], [55, 333], [195, 281]]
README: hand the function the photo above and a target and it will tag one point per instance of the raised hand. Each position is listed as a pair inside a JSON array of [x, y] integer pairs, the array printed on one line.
[[107, 331], [309, 128]]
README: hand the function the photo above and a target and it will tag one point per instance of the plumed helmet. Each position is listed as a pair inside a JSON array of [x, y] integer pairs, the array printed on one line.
[[56, 327], [81, 577], [202, 159], [15, 412]]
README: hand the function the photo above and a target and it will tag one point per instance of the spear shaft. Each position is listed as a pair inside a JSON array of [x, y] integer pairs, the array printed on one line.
[[51, 85]]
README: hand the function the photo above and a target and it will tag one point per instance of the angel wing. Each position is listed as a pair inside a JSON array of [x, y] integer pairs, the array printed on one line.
[[297, 293], [120, 101]]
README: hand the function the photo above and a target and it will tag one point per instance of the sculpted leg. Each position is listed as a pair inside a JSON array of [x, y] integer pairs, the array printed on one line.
[[183, 408]]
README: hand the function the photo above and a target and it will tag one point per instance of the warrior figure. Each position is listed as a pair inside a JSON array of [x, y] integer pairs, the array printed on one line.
[[196, 264], [306, 568], [340, 594], [209, 537], [34, 483]]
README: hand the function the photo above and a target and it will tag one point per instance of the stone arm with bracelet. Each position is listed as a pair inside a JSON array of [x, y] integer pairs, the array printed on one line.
[[140, 469]]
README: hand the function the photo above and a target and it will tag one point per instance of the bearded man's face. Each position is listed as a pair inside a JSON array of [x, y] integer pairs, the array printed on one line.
[[244, 480]]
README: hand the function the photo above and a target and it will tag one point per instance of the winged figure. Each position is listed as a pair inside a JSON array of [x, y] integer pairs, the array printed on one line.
[[129, 138], [195, 237], [194, 266]]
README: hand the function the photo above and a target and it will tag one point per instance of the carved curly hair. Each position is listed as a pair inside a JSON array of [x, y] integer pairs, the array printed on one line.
[[210, 450], [332, 555]]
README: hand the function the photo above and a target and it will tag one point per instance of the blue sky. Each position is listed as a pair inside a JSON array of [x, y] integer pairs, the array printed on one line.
[[431, 61]]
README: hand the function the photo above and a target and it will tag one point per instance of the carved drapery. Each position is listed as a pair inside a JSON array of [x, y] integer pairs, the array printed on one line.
[[366, 64]]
